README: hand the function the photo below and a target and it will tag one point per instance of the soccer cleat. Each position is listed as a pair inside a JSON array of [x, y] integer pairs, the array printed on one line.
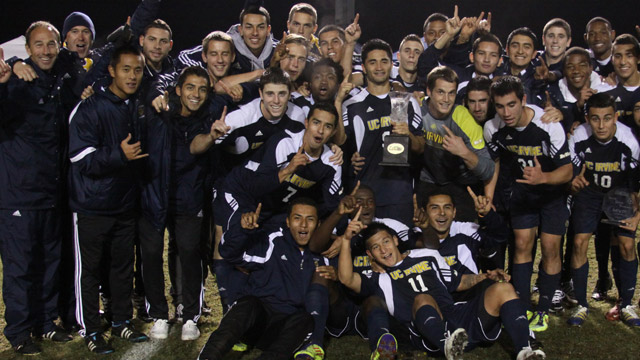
[[58, 335], [556, 302], [128, 332], [530, 354], [602, 287], [455, 343], [97, 344], [160, 329], [540, 321], [629, 316], [27, 347], [240, 347], [190, 331], [386, 349], [311, 352], [579, 316]]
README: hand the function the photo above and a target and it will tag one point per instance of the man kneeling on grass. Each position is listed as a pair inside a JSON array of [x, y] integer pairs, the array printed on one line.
[[417, 296], [273, 317]]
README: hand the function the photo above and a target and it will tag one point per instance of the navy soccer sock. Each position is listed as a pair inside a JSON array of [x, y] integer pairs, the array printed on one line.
[[548, 285], [429, 324], [317, 304], [521, 279], [377, 324], [514, 319], [580, 277], [627, 271]]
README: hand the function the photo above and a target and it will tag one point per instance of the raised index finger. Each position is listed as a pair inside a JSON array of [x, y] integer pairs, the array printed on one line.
[[355, 189], [356, 19], [1, 54], [355, 218], [258, 210], [224, 114], [473, 194], [455, 11]]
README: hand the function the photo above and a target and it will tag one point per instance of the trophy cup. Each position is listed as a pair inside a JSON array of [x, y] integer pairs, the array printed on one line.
[[396, 147], [617, 205]]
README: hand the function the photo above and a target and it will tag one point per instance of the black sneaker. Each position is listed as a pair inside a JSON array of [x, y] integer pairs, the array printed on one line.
[[97, 344], [128, 332], [58, 335], [27, 347]]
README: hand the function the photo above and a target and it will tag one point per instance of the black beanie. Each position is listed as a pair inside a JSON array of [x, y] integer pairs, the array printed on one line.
[[77, 19]]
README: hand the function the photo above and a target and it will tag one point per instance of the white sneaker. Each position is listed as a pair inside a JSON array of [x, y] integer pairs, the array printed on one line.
[[160, 329], [190, 331], [529, 354], [455, 343]]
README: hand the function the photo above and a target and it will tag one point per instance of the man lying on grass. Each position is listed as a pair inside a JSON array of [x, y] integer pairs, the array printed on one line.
[[417, 296]]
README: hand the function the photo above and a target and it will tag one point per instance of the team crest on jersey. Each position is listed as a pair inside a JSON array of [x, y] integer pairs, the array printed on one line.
[[434, 126], [450, 260], [375, 124]]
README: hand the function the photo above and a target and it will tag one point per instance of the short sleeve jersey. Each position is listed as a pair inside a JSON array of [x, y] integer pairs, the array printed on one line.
[[607, 165], [367, 121], [250, 130], [422, 271], [517, 147]]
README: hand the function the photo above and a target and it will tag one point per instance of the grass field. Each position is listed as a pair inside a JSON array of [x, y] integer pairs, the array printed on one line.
[[597, 339]]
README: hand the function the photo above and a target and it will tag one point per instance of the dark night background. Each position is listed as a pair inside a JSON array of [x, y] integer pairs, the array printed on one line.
[[191, 20]]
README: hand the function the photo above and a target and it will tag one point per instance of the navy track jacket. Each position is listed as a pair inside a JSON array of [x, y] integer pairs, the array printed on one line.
[[102, 181]]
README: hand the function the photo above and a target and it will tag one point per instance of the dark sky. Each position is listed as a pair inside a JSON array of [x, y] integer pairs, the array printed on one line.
[[191, 20]]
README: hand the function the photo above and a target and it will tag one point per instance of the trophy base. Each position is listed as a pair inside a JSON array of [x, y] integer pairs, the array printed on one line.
[[396, 151]]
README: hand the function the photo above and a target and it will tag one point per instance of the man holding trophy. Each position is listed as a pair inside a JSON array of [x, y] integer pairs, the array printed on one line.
[[367, 119]]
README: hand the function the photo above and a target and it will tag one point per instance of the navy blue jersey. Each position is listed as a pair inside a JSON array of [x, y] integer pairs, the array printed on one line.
[[361, 261], [320, 179], [250, 130], [417, 85], [367, 121], [626, 98], [532, 88], [422, 271], [517, 147], [607, 166], [562, 98], [602, 67]]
